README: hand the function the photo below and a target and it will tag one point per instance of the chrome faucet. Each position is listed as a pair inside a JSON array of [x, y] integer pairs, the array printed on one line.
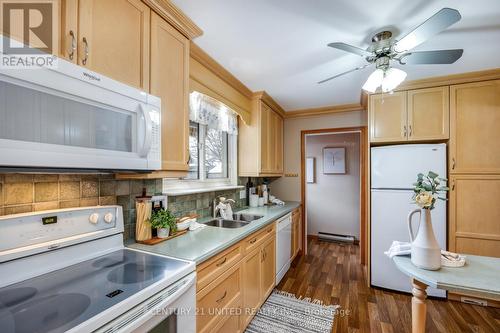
[[221, 200]]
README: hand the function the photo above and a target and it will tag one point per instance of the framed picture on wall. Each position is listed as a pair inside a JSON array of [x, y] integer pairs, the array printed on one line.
[[311, 170], [334, 160]]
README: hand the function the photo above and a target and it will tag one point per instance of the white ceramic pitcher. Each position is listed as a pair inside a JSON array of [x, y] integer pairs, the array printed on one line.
[[425, 250]]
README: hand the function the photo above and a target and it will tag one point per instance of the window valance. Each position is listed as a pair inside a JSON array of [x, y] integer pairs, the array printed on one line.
[[208, 111]]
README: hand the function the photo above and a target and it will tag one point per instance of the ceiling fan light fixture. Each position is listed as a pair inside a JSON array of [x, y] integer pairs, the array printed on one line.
[[374, 81], [392, 78]]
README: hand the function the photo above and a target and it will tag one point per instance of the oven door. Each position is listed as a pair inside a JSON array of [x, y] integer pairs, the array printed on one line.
[[171, 310], [52, 120]]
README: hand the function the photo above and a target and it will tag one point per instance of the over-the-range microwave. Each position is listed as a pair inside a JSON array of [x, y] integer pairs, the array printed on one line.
[[69, 117]]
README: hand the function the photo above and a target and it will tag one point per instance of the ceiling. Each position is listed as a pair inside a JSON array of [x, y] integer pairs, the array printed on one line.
[[280, 46]]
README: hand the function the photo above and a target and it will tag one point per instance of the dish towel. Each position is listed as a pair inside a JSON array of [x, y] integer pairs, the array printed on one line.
[[195, 225], [448, 259]]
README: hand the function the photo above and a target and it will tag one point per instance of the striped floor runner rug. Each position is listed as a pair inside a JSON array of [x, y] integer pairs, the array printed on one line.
[[285, 313]]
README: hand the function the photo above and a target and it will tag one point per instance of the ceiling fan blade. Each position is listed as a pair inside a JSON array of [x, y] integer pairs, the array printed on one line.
[[431, 57], [350, 49], [335, 76], [434, 25]]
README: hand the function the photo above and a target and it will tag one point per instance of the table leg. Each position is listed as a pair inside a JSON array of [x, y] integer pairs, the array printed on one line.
[[418, 307]]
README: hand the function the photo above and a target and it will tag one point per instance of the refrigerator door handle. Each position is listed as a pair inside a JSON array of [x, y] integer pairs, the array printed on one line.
[[410, 228]]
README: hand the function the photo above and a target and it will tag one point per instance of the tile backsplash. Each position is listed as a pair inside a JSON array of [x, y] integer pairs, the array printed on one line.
[[21, 193]]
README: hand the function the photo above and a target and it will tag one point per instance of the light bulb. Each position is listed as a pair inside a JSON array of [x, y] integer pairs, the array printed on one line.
[[392, 78], [374, 81]]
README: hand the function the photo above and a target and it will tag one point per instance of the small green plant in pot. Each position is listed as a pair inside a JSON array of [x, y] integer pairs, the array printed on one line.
[[164, 222]]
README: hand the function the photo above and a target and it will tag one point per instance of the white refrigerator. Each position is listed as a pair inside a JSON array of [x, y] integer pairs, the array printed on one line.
[[394, 169]]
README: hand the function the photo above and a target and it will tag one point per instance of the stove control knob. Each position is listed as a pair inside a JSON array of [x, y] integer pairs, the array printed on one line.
[[94, 218], [108, 218]]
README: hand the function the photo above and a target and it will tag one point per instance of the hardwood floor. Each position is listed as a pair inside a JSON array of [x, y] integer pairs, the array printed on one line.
[[332, 273]]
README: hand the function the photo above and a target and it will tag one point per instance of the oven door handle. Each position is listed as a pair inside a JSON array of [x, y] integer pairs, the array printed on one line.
[[148, 132]]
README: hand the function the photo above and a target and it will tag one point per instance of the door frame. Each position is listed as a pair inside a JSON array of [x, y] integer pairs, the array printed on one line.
[[363, 193]]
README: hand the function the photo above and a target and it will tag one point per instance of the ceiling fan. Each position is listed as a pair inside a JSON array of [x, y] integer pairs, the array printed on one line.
[[385, 48]]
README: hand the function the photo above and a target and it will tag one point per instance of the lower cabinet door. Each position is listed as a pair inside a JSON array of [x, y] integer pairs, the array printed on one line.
[[268, 278], [230, 324], [218, 298], [251, 285]]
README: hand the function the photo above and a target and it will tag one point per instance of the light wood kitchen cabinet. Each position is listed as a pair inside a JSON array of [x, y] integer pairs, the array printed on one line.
[[170, 81], [117, 44], [474, 214], [388, 117], [475, 131], [414, 115], [251, 285], [268, 253], [241, 276], [428, 114], [261, 142]]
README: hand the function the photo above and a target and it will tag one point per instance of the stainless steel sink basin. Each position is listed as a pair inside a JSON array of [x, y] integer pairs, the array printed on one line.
[[221, 223], [246, 217]]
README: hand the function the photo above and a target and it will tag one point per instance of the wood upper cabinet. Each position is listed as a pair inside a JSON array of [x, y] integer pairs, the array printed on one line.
[[414, 115], [428, 114], [388, 117], [475, 214], [266, 157], [170, 81], [113, 39], [475, 127]]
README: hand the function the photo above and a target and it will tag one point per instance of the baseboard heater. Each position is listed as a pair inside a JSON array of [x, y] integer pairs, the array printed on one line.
[[325, 236]]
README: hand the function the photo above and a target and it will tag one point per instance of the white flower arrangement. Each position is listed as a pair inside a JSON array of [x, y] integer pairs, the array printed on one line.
[[426, 190]]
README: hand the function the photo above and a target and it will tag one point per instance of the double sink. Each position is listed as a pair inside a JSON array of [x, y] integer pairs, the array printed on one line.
[[239, 220]]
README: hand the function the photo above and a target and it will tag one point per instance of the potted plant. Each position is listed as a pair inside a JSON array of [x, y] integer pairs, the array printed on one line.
[[425, 250], [164, 222]]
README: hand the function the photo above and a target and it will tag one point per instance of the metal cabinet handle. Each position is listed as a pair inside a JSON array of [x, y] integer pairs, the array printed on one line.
[[453, 186], [189, 157], [404, 131], [253, 240], [262, 256], [453, 163], [85, 51], [223, 296], [409, 133], [72, 49], [222, 262]]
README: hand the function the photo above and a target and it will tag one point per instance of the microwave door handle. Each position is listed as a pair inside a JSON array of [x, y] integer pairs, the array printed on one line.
[[148, 135]]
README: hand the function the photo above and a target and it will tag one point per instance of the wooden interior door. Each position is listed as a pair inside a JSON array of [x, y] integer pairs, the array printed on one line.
[[475, 214], [428, 114], [268, 279], [474, 127], [170, 81], [251, 283], [116, 35], [388, 117]]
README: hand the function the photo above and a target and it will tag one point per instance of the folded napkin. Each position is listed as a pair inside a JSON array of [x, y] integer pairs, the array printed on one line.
[[448, 259], [398, 249]]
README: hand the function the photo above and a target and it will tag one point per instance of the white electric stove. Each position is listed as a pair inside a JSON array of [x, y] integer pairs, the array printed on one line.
[[68, 271]]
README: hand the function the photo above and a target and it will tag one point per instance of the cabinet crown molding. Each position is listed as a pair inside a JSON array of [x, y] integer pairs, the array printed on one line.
[[173, 15], [266, 98]]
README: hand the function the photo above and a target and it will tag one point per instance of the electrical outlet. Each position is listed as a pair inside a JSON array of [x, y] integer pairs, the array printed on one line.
[[243, 194]]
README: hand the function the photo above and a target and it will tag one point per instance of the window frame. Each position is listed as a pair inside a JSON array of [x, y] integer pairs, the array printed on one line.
[[203, 183]]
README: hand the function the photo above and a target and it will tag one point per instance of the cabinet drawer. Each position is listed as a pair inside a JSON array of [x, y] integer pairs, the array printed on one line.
[[214, 267], [230, 324], [214, 302], [256, 239]]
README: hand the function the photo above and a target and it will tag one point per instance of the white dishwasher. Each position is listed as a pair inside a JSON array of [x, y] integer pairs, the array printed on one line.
[[283, 246]]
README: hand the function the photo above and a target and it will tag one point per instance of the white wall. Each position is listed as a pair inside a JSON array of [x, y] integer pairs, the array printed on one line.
[[333, 200], [288, 188]]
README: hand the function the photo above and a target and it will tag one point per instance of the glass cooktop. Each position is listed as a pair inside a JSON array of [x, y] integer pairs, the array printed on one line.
[[60, 300]]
